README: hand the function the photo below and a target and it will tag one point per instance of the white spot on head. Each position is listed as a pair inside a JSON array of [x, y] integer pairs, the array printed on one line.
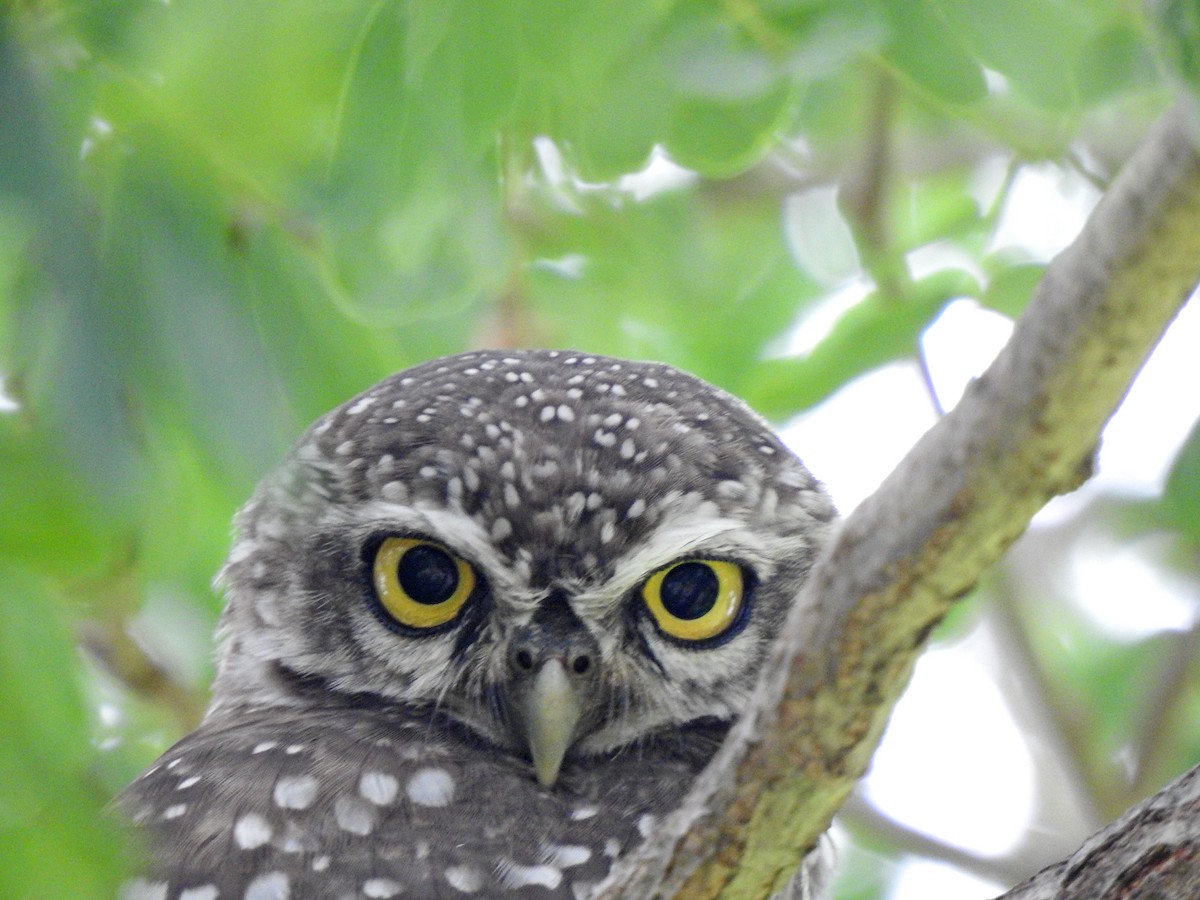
[[579, 813], [430, 787], [636, 508], [295, 791], [252, 831], [364, 403], [565, 413], [514, 875], [547, 413], [464, 879], [174, 811], [345, 448], [141, 889], [188, 782], [264, 747], [380, 887], [320, 864], [394, 491], [612, 848], [378, 787], [293, 749], [645, 825], [204, 892], [471, 479], [354, 815], [272, 886], [176, 761], [511, 498], [501, 528]]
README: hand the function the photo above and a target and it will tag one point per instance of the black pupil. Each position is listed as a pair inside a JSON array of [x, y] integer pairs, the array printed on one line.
[[689, 590], [428, 575]]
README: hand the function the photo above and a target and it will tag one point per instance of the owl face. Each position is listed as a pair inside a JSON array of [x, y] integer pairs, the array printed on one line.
[[563, 554]]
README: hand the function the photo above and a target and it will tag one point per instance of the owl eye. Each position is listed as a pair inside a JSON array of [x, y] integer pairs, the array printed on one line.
[[696, 599], [421, 584]]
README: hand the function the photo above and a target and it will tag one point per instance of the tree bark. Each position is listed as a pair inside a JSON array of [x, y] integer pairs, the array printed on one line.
[[1024, 432], [1153, 851]]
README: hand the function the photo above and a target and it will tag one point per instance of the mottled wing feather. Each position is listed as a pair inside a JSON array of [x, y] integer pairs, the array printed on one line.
[[347, 803]]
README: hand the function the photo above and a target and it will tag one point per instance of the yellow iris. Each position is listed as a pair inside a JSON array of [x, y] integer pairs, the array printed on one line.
[[695, 599], [421, 584]]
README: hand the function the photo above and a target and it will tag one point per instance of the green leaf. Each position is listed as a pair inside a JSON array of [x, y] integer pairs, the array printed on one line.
[[721, 139], [1179, 506], [930, 52], [55, 840], [1179, 35], [1035, 44], [875, 331], [1116, 60], [1009, 289]]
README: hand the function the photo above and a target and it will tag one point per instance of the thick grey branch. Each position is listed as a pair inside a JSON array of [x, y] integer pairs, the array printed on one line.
[[1024, 432], [1151, 851]]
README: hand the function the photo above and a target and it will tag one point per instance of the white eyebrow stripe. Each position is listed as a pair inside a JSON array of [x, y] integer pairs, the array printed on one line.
[[702, 528]]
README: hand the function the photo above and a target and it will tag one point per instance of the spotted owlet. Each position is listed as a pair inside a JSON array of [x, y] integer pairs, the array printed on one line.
[[485, 625]]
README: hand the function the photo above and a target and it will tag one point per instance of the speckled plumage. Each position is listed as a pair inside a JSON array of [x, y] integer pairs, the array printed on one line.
[[345, 755]]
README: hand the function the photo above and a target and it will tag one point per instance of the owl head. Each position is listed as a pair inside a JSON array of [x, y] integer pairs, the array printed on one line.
[[563, 554]]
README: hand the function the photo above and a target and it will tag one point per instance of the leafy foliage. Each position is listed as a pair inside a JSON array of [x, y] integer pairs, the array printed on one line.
[[219, 219]]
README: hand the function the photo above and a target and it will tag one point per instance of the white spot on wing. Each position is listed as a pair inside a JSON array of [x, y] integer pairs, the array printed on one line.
[[320, 864], [272, 886], [464, 879], [264, 747], [430, 787], [141, 889], [380, 887], [564, 856], [583, 812], [354, 815], [188, 782], [378, 787], [251, 831], [295, 791], [514, 875]]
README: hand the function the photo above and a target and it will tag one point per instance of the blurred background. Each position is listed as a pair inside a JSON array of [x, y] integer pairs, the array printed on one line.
[[219, 219]]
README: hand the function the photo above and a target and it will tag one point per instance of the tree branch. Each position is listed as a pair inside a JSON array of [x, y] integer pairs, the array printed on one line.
[[1025, 431], [1151, 851]]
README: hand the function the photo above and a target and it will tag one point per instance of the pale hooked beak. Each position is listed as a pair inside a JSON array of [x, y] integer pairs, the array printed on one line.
[[549, 710]]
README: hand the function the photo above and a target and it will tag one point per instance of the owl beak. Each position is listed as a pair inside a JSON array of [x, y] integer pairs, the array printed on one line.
[[550, 711]]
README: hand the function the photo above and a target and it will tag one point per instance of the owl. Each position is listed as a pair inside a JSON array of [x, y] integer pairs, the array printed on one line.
[[485, 625]]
